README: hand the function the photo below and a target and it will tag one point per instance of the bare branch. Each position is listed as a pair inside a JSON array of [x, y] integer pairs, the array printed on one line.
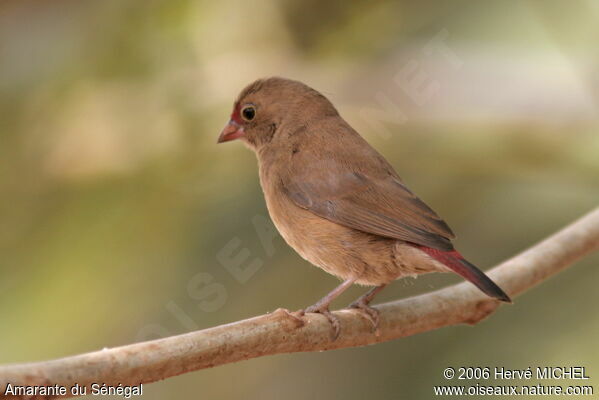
[[280, 332]]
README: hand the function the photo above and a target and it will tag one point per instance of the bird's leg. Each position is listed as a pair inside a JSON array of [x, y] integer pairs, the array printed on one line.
[[322, 305], [362, 304]]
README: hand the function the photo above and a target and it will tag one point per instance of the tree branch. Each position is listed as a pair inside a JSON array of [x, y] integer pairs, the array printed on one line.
[[279, 332]]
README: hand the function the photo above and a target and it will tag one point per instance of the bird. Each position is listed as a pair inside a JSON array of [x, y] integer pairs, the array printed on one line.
[[336, 200]]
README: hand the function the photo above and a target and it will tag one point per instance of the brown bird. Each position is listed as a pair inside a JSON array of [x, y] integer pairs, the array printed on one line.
[[336, 200]]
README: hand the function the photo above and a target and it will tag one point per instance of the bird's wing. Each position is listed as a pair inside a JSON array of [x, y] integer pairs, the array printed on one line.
[[377, 202]]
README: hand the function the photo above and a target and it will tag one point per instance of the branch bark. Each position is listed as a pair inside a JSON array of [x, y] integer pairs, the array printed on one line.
[[280, 332]]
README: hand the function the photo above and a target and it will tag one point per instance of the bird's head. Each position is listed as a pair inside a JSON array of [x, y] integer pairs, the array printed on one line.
[[268, 107]]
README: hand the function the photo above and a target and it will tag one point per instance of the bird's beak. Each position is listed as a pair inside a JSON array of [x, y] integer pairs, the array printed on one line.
[[231, 131]]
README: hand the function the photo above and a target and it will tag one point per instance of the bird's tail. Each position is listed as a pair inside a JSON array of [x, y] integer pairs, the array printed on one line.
[[456, 262]]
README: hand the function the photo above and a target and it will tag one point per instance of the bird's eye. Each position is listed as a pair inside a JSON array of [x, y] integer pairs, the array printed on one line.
[[248, 113]]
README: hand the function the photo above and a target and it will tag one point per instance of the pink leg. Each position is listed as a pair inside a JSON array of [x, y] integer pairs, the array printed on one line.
[[322, 305], [362, 304]]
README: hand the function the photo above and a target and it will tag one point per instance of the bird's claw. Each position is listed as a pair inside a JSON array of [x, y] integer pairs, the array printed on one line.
[[333, 320], [371, 313], [296, 316]]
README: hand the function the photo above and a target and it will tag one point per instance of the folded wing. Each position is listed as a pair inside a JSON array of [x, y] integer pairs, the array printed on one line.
[[376, 202]]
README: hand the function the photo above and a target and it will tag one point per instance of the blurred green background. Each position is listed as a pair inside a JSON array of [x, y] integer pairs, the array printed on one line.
[[117, 205]]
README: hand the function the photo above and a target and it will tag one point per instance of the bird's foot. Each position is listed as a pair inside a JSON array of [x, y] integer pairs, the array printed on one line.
[[324, 310], [371, 313], [294, 316]]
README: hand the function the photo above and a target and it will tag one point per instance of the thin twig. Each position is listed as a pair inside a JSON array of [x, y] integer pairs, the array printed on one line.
[[281, 332]]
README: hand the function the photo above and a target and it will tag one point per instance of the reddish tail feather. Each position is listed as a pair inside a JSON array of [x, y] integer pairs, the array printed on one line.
[[456, 262]]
